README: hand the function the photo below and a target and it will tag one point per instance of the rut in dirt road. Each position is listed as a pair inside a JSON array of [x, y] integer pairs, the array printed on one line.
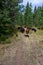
[[25, 52]]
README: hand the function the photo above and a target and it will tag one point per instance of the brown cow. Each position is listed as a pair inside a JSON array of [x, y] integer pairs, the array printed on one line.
[[27, 30]]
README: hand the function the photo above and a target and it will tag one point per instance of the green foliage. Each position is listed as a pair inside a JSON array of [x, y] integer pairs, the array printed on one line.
[[8, 15], [29, 18], [20, 19], [28, 15], [38, 17]]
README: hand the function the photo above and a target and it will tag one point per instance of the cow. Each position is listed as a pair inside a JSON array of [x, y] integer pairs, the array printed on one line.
[[27, 30], [38, 28], [26, 35], [21, 29], [33, 29]]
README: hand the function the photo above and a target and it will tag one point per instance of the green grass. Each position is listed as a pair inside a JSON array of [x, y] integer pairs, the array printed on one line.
[[39, 32]]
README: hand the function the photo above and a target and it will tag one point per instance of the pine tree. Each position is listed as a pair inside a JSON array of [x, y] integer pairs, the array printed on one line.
[[8, 16], [28, 15], [38, 17]]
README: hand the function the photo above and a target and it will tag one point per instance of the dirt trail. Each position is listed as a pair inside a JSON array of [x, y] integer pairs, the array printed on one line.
[[26, 51]]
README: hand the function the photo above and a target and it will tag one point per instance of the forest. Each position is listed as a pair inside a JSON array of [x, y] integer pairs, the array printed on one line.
[[13, 14]]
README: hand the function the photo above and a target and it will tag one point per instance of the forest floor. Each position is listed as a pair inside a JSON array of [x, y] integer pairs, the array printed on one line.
[[23, 50]]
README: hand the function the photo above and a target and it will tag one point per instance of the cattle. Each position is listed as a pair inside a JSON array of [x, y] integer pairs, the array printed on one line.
[[26, 35], [27, 30], [21, 29], [33, 29], [24, 29], [38, 28]]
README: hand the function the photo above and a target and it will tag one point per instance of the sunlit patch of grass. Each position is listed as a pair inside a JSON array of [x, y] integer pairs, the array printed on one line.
[[38, 35], [39, 32]]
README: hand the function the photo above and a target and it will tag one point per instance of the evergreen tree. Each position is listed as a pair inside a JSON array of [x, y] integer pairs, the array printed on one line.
[[28, 15], [34, 16], [20, 19], [38, 17], [8, 16]]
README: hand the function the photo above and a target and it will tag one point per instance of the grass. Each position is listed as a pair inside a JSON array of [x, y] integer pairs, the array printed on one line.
[[39, 32], [32, 35], [38, 35], [41, 44]]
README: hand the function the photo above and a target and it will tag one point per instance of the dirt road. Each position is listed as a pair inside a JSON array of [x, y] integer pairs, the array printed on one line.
[[26, 51]]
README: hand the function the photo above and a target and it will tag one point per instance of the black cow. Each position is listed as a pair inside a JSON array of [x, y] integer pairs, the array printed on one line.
[[33, 29], [21, 29], [26, 35]]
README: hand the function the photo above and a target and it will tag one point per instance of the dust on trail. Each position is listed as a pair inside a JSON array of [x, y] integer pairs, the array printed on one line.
[[26, 51]]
